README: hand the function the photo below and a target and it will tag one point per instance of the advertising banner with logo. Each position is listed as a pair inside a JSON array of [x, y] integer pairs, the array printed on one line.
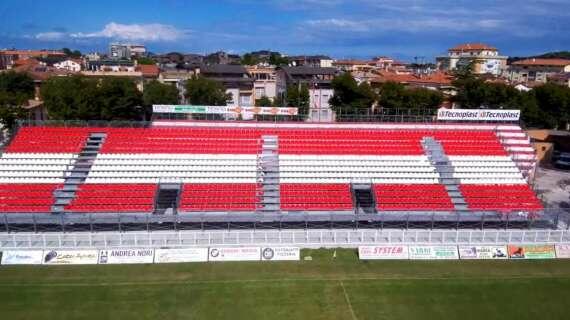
[[433, 252], [126, 256], [280, 254], [483, 252], [478, 114], [234, 254], [60, 257], [563, 251], [181, 255], [190, 109], [383, 252], [532, 252], [22, 257]]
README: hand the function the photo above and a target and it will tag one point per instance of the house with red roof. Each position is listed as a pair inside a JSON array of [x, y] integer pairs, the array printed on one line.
[[536, 69]]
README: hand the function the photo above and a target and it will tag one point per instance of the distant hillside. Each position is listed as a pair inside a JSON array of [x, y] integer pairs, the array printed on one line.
[[550, 55]]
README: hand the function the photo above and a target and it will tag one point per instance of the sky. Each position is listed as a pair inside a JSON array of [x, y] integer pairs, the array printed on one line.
[[403, 29]]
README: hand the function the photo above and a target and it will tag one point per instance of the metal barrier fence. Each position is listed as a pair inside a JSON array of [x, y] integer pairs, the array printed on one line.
[[302, 238], [553, 219]]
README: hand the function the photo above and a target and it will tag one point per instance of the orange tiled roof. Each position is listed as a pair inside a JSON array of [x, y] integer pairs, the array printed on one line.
[[472, 47], [542, 62], [35, 53], [148, 70], [437, 78]]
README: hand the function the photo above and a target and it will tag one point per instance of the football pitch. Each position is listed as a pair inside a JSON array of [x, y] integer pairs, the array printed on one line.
[[324, 288]]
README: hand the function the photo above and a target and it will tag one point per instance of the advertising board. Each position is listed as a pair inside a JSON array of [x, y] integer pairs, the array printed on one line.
[[483, 252], [532, 252], [384, 252], [562, 251], [234, 254], [64, 257], [478, 114], [433, 252], [11, 257], [126, 256], [191, 109], [181, 255], [280, 254]]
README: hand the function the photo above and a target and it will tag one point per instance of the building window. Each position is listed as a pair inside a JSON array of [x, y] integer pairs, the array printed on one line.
[[259, 92]]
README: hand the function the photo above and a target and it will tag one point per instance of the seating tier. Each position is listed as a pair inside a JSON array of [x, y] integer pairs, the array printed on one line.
[[218, 197], [113, 198], [501, 197], [316, 197], [27, 198], [402, 197]]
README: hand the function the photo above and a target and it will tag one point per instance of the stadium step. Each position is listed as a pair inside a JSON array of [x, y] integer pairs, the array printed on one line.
[[268, 175], [436, 154], [78, 172], [363, 196], [167, 198]]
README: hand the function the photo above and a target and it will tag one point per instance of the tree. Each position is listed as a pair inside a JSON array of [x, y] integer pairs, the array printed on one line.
[[277, 59], [145, 61], [203, 91], [396, 96], [248, 60], [82, 98], [71, 54], [298, 97], [351, 98], [15, 90], [554, 101], [264, 101], [120, 99], [159, 93]]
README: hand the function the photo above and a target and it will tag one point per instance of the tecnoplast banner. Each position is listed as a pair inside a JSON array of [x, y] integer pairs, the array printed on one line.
[[383, 252], [433, 253], [563, 251], [190, 109], [234, 254], [280, 254], [126, 256], [532, 252], [181, 255], [483, 252], [478, 114], [11, 257], [60, 257]]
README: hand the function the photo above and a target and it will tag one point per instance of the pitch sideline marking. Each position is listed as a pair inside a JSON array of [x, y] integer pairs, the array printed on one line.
[[348, 301]]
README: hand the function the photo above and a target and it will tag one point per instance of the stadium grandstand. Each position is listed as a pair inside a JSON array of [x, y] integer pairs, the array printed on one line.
[[203, 173]]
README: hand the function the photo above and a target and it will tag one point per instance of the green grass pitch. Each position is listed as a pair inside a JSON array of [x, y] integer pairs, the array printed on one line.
[[324, 288]]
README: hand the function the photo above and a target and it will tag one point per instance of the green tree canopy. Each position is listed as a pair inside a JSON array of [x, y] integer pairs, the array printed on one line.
[[351, 98], [145, 61], [203, 91], [82, 98], [159, 93], [263, 102], [71, 54], [298, 97], [15, 90]]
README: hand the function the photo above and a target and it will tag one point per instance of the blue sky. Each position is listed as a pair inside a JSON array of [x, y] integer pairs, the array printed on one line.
[[340, 28]]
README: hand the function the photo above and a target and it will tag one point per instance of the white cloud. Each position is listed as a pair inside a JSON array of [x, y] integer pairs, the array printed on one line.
[[50, 36], [153, 32]]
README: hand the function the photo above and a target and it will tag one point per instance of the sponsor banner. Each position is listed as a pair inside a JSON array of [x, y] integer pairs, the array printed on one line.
[[483, 252], [562, 251], [532, 252], [126, 256], [280, 254], [190, 109], [58, 257], [234, 254], [22, 257], [181, 255], [383, 252], [478, 114], [433, 252]]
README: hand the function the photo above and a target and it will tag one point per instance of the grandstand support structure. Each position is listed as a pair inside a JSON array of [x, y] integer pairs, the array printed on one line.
[[518, 145], [436, 155], [268, 175], [79, 170], [347, 238]]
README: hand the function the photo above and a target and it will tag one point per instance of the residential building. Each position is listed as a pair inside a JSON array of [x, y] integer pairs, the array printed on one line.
[[234, 78], [264, 81], [354, 65], [126, 51], [319, 82], [318, 61], [177, 78], [435, 81], [8, 57], [485, 59], [222, 57], [562, 79], [536, 70], [72, 65], [110, 66]]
